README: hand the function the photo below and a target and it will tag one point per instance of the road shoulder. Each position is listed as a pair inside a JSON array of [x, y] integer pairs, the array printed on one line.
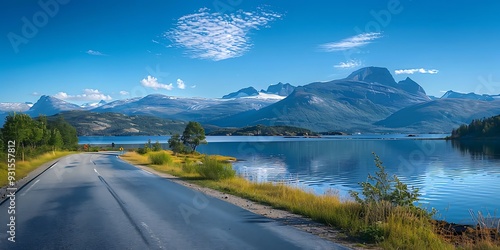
[[19, 184]]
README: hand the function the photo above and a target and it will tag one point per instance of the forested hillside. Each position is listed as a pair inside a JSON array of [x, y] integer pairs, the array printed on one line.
[[481, 128], [33, 136]]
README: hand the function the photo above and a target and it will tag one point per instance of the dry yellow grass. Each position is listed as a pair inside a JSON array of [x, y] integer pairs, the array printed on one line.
[[23, 168]]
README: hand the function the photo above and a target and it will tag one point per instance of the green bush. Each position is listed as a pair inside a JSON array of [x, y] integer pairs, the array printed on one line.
[[189, 166], [160, 158], [386, 189], [372, 234], [213, 169], [143, 151], [384, 197], [157, 147]]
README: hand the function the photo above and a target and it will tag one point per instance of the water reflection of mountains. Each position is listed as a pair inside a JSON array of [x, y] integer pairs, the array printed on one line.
[[478, 148]]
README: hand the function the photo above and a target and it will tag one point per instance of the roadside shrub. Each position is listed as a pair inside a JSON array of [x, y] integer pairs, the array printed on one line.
[[94, 149], [157, 147], [189, 166], [143, 151], [372, 234], [160, 158], [148, 147], [213, 169], [384, 197], [386, 188]]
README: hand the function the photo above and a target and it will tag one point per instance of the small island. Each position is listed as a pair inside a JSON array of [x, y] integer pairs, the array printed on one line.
[[262, 130]]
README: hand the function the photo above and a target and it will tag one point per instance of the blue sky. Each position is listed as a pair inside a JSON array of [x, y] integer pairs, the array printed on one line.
[[85, 51]]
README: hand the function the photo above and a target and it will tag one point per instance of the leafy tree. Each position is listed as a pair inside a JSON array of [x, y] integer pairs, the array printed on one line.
[[176, 144], [46, 133], [18, 127], [193, 135], [2, 145], [68, 132], [157, 146], [479, 128], [35, 136], [56, 140]]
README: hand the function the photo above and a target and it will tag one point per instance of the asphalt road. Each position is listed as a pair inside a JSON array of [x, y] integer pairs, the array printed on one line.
[[97, 201]]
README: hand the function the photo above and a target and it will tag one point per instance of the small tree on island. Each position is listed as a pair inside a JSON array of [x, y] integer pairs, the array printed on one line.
[[192, 137]]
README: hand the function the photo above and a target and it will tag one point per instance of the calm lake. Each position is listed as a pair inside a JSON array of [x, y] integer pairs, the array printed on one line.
[[452, 177]]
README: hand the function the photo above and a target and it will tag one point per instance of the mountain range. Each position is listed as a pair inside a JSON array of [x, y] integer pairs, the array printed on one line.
[[471, 96], [367, 100], [279, 89]]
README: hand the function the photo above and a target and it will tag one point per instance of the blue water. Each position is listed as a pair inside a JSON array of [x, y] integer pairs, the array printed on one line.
[[453, 178]]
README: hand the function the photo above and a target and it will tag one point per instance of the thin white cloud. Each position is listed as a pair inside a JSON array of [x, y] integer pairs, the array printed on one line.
[[94, 53], [152, 82], [348, 64], [351, 42], [217, 36], [180, 84], [123, 92], [193, 86], [413, 71], [35, 94], [87, 95]]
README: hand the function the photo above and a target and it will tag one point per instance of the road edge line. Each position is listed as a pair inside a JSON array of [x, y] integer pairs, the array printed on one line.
[[28, 179]]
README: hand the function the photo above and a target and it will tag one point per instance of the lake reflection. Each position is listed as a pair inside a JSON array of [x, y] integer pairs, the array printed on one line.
[[479, 148], [452, 177]]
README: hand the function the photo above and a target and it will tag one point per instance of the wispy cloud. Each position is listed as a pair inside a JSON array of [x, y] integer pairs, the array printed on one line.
[[87, 95], [218, 36], [413, 71], [35, 94], [180, 84], [351, 42], [152, 82], [123, 92], [348, 64], [193, 86], [95, 53]]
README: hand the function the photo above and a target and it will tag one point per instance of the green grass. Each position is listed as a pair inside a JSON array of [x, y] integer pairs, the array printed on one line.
[[390, 227], [160, 158], [23, 168], [213, 169]]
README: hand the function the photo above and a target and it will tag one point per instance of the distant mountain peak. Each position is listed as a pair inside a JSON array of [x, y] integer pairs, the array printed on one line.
[[373, 75], [250, 91], [91, 105], [281, 89], [411, 86], [49, 105]]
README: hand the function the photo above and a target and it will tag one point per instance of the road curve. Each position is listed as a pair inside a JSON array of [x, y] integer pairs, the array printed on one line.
[[97, 201]]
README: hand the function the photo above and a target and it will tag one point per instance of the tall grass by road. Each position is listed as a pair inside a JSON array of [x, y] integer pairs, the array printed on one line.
[[23, 168]]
